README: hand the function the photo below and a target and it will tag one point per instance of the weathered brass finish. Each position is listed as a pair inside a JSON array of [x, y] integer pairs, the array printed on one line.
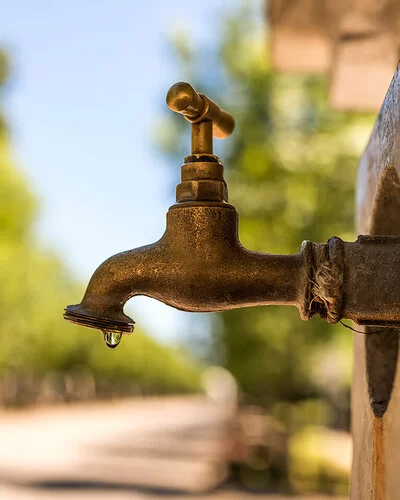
[[200, 265], [198, 108], [202, 138], [202, 179]]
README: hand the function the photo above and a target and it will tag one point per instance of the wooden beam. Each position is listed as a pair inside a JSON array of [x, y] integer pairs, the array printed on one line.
[[376, 385]]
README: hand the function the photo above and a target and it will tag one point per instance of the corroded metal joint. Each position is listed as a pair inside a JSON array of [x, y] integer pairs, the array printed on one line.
[[357, 280], [326, 282]]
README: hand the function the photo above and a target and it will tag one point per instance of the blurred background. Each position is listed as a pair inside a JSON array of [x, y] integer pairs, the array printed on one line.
[[252, 401]]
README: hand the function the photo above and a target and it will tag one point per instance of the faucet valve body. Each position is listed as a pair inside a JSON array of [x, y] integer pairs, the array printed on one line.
[[202, 179]]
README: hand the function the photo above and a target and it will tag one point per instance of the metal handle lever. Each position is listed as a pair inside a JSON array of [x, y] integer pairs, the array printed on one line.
[[197, 108]]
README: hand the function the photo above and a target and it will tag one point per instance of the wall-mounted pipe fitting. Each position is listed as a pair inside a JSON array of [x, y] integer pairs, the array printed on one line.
[[200, 265]]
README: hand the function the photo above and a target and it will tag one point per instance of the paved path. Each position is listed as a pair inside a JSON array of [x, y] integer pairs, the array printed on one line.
[[28, 494], [134, 449], [160, 444]]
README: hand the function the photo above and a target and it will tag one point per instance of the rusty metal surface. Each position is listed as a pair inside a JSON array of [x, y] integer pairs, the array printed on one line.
[[375, 395]]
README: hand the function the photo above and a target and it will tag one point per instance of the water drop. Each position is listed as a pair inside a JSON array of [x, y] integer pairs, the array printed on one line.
[[112, 339]]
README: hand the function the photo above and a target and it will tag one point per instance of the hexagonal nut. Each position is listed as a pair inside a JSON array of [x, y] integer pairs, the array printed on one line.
[[203, 190]]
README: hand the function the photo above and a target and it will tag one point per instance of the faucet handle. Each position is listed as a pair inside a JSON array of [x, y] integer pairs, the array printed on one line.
[[202, 177], [198, 108]]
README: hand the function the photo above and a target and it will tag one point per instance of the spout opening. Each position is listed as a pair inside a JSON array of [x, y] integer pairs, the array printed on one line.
[[81, 318]]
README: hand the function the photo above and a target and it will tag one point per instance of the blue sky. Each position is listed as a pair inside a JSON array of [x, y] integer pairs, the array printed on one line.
[[88, 86]]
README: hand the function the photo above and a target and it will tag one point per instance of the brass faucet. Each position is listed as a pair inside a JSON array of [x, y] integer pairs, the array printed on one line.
[[200, 265]]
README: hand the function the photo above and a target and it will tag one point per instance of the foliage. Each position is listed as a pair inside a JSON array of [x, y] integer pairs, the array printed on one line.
[[291, 172], [35, 341], [290, 167], [320, 460]]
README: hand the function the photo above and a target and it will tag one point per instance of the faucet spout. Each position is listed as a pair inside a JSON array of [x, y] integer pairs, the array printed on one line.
[[198, 265], [112, 284]]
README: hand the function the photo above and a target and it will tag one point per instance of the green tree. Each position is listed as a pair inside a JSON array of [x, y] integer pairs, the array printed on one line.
[[290, 167], [36, 342]]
